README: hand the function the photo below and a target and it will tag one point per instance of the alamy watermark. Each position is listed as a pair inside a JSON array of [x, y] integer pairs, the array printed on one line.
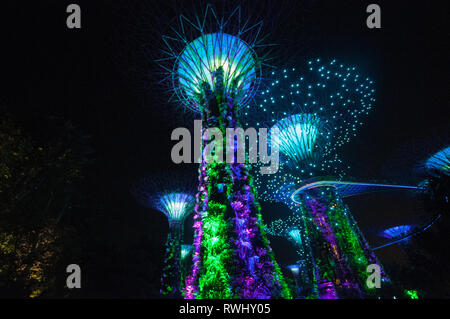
[[374, 279], [74, 279], [234, 142]]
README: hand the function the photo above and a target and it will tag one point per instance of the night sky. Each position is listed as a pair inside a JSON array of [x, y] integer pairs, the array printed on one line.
[[103, 78]]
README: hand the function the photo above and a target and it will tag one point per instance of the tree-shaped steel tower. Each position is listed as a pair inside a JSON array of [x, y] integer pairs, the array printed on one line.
[[171, 197], [215, 71]]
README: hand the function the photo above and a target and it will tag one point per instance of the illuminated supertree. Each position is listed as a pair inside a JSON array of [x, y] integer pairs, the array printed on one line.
[[437, 190], [399, 234], [439, 163], [292, 228], [425, 161], [437, 186], [172, 198], [397, 231], [215, 71], [320, 111]]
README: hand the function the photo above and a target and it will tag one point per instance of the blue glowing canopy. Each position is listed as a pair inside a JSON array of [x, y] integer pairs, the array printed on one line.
[[439, 162], [295, 235], [201, 58], [397, 231], [295, 269]]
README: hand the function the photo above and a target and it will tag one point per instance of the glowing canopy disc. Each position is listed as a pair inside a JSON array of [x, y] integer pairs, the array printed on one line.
[[200, 59], [297, 136], [439, 161], [176, 206]]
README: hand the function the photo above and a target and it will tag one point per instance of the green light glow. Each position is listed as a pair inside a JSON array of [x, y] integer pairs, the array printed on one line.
[[412, 294]]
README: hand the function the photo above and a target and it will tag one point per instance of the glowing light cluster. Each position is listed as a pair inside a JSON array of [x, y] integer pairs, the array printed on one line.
[[412, 294], [397, 231], [202, 57], [439, 162], [185, 251], [295, 269], [334, 92], [283, 227], [273, 187], [297, 136], [291, 228], [295, 234], [336, 96], [294, 228], [176, 206]]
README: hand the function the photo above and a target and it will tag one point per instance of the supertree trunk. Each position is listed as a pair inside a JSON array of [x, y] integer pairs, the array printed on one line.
[[171, 275], [308, 267], [232, 256], [343, 246], [335, 276]]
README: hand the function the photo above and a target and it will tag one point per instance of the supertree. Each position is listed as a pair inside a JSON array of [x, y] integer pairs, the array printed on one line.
[[439, 163], [403, 235], [171, 196], [215, 72], [396, 232], [425, 161], [420, 158], [421, 161], [320, 110], [437, 185], [292, 228]]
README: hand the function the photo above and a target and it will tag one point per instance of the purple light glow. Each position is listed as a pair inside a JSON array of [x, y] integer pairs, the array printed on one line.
[[192, 279]]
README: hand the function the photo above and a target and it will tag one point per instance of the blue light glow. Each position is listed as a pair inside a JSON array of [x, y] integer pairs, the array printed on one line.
[[202, 57], [176, 206], [411, 234], [346, 189], [396, 231], [295, 269], [439, 161]]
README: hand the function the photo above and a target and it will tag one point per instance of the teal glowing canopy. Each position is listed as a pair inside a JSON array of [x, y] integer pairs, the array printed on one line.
[[397, 231], [295, 235], [201, 58], [176, 206], [297, 136]]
